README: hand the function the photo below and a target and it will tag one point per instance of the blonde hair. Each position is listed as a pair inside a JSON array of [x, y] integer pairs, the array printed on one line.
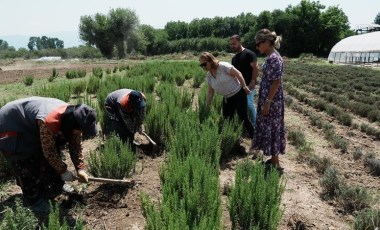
[[267, 35], [210, 58]]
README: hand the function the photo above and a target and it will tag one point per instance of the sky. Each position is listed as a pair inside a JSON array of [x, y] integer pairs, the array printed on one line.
[[27, 18]]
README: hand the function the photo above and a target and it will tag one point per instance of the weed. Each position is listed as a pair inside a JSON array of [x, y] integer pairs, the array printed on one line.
[[358, 153], [98, 72], [28, 80], [254, 200]]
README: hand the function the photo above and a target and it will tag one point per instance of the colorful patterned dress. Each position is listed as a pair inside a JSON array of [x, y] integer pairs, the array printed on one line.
[[269, 134]]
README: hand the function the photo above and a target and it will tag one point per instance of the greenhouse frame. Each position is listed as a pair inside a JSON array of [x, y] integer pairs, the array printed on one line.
[[358, 49]]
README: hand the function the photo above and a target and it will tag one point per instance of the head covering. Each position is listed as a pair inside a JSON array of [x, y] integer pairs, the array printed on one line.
[[85, 117], [136, 99], [133, 101]]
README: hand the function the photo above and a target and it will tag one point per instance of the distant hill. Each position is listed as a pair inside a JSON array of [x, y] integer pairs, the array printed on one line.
[[70, 39]]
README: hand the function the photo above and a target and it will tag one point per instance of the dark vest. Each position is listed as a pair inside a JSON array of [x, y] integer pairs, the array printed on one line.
[[19, 131]]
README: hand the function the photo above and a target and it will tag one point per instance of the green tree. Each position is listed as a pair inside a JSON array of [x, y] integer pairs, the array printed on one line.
[[335, 26], [176, 30], [377, 19], [108, 31], [95, 30], [263, 21], [123, 24], [3, 45]]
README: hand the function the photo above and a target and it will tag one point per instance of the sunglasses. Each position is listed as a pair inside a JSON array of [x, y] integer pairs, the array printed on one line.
[[204, 64]]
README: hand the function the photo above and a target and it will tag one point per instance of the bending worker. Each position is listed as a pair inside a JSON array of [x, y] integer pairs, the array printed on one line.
[[32, 130], [126, 113]]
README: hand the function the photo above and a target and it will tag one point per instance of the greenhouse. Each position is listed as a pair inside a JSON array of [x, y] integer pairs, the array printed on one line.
[[358, 49]]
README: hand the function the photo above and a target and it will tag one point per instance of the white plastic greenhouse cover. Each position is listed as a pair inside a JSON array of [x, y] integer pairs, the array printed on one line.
[[357, 49]]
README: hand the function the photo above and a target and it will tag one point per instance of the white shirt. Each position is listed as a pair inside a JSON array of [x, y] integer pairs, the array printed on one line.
[[223, 83]]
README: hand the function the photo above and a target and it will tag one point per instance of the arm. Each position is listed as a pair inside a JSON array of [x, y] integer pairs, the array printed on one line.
[[255, 74], [236, 74], [210, 96], [49, 148], [75, 150]]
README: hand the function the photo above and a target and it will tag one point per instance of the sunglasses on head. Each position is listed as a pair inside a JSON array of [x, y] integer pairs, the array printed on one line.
[[204, 64]]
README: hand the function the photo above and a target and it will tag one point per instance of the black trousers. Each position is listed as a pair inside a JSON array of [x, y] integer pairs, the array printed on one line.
[[238, 103], [121, 130]]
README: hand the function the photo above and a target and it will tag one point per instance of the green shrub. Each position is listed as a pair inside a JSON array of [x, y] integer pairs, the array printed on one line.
[[97, 72], [55, 222], [190, 196], [198, 80], [59, 91], [81, 73], [255, 199], [230, 133], [78, 73], [3, 190], [115, 69], [179, 79], [71, 74], [367, 219], [374, 115], [357, 153], [345, 119], [78, 88], [108, 71], [93, 85], [53, 76], [18, 217], [320, 164], [28, 80], [354, 198], [297, 138], [113, 160], [372, 164], [331, 183]]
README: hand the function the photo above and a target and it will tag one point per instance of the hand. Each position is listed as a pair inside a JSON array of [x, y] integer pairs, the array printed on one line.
[[251, 86], [67, 176], [82, 176], [247, 91], [266, 108]]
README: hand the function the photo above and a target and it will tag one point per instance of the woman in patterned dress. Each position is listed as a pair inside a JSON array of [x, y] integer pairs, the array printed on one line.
[[270, 132]]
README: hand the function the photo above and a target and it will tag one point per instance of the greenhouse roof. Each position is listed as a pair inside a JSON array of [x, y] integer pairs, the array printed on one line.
[[359, 43]]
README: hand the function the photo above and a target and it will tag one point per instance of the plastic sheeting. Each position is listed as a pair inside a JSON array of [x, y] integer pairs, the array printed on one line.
[[362, 48]]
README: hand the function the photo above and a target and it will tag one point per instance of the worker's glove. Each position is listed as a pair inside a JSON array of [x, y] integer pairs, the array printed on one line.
[[82, 176], [67, 176]]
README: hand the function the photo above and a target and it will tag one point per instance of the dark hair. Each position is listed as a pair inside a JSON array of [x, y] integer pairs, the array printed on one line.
[[235, 36]]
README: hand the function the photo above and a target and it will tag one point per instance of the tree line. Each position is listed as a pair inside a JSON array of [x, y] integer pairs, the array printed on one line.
[[308, 27]]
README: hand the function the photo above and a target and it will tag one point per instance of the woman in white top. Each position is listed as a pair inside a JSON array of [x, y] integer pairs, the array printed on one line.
[[227, 81]]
